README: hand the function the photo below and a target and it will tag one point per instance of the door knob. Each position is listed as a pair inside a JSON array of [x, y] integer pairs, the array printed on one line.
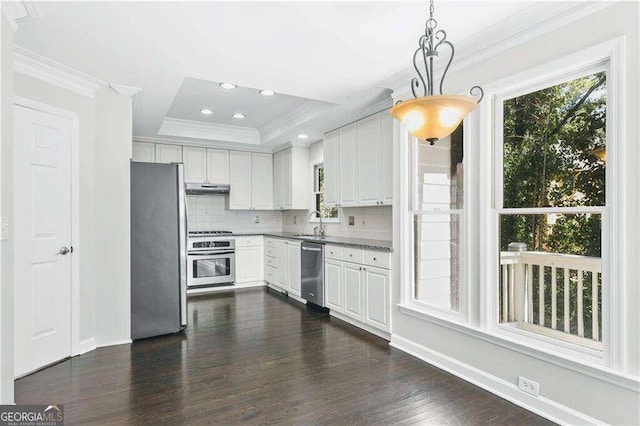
[[65, 250]]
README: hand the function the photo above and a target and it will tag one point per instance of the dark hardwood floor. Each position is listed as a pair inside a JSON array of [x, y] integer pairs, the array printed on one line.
[[257, 357]]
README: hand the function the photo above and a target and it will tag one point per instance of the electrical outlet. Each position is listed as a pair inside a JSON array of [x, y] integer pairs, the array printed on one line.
[[528, 386], [257, 219], [295, 220], [4, 228], [352, 220], [363, 221]]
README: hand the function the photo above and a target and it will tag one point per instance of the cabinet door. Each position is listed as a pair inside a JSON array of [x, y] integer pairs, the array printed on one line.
[[286, 189], [195, 164], [143, 151], [332, 169], [249, 265], [385, 176], [333, 285], [377, 284], [168, 153], [353, 290], [218, 166], [278, 177], [294, 259], [368, 153], [240, 180], [282, 276], [348, 169], [261, 181]]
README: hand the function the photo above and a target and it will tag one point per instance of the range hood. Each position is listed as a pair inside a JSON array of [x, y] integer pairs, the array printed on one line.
[[206, 188]]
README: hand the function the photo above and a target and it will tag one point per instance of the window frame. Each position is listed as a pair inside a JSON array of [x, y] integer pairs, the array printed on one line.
[[315, 219], [605, 57], [479, 229]]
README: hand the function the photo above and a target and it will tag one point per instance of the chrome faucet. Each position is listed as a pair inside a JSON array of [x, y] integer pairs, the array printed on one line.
[[315, 230]]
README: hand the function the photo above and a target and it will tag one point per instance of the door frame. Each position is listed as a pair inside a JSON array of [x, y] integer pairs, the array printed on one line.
[[75, 348]]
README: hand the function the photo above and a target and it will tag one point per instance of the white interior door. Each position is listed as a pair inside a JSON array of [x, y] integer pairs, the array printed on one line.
[[42, 257]]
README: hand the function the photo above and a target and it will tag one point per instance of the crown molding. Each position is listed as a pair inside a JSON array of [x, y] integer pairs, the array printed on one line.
[[14, 10], [209, 131], [287, 122], [537, 20], [204, 144], [362, 113], [42, 68]]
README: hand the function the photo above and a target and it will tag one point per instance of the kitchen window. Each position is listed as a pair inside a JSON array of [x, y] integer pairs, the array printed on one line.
[[328, 214]]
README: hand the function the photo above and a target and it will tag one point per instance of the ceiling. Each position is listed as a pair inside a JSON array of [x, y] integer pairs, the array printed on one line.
[[324, 60]]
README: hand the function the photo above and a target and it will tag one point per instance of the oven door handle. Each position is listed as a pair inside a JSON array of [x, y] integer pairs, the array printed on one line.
[[211, 253]]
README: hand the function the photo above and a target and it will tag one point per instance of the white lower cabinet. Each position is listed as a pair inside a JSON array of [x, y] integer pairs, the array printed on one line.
[[282, 272], [293, 262], [283, 265], [333, 284], [249, 264], [355, 290]]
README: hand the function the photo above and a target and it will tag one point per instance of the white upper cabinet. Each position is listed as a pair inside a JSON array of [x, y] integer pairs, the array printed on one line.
[[168, 153], [218, 166], [143, 151], [261, 181], [358, 163], [332, 169], [368, 159], [240, 180], [195, 164], [292, 179], [348, 166]]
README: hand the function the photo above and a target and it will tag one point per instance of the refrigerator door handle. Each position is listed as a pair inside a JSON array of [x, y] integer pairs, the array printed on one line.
[[182, 230]]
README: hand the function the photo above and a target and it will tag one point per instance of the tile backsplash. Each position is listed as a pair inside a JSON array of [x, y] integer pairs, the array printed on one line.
[[369, 222], [210, 212]]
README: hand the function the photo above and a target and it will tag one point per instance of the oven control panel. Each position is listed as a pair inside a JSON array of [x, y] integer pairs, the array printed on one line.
[[211, 244]]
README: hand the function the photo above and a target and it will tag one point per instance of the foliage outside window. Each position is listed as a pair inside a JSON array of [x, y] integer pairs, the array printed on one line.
[[330, 213], [550, 210]]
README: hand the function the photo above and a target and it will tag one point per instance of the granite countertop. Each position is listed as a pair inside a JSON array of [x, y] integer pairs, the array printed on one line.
[[363, 243]]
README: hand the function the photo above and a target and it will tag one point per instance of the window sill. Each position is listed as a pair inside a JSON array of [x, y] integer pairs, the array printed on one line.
[[580, 365]]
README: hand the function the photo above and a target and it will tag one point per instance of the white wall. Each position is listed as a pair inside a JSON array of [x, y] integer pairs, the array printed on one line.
[[6, 204], [112, 213], [576, 390], [369, 222]]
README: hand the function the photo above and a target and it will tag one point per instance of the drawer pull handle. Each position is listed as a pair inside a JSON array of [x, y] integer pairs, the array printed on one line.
[[374, 259]]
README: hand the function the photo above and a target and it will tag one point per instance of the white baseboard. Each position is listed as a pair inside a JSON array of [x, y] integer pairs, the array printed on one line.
[[540, 405], [297, 298], [86, 345], [361, 325], [114, 343], [225, 288]]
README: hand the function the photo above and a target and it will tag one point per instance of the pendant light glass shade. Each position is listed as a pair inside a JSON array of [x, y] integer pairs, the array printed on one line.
[[433, 117]]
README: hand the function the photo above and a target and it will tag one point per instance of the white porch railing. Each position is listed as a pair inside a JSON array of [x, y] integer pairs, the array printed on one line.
[[525, 274]]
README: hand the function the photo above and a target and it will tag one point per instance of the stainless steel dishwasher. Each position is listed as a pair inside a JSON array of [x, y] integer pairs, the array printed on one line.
[[312, 256]]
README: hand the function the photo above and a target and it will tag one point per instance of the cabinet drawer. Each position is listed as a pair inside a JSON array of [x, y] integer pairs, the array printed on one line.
[[353, 255], [379, 259], [270, 243], [271, 261], [270, 274], [333, 252], [248, 241], [271, 251]]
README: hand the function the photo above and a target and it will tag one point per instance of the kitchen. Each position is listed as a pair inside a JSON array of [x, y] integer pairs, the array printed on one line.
[[255, 219]]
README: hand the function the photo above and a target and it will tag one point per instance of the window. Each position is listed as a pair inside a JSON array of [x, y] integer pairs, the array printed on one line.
[[437, 211], [328, 214], [550, 198]]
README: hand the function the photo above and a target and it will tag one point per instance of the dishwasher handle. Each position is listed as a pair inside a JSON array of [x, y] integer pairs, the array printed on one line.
[[311, 248]]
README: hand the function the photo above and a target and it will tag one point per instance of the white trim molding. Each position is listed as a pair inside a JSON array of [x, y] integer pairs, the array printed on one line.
[[540, 405], [126, 90], [209, 131], [15, 10], [307, 111], [363, 113], [85, 346], [204, 144]]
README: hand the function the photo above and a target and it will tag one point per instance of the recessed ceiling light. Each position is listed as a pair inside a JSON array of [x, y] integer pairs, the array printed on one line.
[[239, 115], [206, 111], [228, 86], [267, 92], [303, 136]]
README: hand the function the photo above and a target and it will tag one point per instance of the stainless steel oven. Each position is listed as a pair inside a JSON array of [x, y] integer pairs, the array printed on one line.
[[211, 261]]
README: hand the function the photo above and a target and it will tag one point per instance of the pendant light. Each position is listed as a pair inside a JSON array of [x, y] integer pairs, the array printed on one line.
[[428, 116]]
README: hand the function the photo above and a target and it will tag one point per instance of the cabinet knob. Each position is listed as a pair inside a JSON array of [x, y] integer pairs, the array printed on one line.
[[350, 255], [360, 268], [374, 259]]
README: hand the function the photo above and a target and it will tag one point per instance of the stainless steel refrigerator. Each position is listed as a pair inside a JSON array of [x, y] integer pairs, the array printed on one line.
[[158, 249]]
